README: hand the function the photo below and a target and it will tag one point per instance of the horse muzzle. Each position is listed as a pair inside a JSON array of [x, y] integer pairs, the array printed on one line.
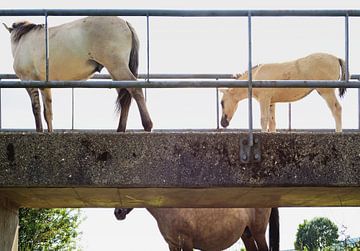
[[224, 122], [120, 213]]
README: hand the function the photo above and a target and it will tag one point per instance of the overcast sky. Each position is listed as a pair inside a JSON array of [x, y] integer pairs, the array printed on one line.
[[195, 45]]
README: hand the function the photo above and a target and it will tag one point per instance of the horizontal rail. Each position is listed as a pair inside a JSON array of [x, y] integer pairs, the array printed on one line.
[[180, 84], [152, 76], [166, 76], [176, 13]]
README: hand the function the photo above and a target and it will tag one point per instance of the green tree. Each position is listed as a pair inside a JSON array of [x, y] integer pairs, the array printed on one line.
[[48, 229], [316, 234]]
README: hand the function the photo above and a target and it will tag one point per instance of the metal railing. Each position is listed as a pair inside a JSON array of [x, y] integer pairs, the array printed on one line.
[[150, 82]]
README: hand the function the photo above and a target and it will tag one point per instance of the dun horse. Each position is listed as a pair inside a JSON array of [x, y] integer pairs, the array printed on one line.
[[318, 66], [76, 51], [214, 229]]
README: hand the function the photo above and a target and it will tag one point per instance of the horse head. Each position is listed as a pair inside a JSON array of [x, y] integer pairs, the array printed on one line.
[[229, 103], [120, 213]]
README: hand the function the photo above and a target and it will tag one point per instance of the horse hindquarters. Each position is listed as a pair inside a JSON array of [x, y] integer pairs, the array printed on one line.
[[121, 73], [328, 94]]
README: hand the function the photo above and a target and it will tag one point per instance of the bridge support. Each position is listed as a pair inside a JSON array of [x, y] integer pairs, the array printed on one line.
[[9, 221]]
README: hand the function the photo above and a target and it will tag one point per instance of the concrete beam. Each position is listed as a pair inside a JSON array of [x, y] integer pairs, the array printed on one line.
[[9, 221], [178, 169]]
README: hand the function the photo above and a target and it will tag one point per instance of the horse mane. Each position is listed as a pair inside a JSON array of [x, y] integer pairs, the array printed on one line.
[[239, 75], [19, 29]]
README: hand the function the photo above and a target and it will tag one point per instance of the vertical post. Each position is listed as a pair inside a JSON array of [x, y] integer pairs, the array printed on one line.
[[347, 61], [0, 108], [72, 108], [289, 116], [46, 48], [217, 109], [359, 108], [9, 222], [251, 137], [147, 52], [347, 47]]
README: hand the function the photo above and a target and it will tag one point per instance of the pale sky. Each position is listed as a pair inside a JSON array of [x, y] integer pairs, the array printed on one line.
[[195, 45]]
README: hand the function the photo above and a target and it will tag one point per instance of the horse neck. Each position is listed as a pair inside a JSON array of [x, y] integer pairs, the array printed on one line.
[[239, 93], [153, 212]]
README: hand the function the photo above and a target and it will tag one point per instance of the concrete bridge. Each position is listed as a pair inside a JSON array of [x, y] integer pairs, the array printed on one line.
[[174, 169]]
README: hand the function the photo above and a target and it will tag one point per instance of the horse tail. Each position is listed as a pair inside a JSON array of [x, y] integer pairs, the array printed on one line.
[[343, 76], [123, 99], [134, 53], [274, 237]]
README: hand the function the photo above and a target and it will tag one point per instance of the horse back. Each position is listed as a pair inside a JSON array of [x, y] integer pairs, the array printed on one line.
[[316, 66]]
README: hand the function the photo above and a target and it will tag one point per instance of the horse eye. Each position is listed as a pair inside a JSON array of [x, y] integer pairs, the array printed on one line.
[[222, 103]]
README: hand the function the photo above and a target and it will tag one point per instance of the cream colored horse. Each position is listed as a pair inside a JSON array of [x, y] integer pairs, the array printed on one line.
[[214, 229], [76, 51], [318, 66]]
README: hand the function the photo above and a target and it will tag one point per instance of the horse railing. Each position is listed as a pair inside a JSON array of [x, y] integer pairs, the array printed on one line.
[[167, 81], [184, 83]]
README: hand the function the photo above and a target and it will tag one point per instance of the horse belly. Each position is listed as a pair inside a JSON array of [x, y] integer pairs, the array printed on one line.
[[289, 94], [71, 71]]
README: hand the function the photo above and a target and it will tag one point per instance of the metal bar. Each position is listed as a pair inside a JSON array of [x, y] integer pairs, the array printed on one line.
[[147, 52], [46, 48], [180, 84], [72, 109], [177, 13], [289, 116], [217, 109], [167, 76], [251, 136], [359, 108], [0, 108], [346, 48], [152, 76]]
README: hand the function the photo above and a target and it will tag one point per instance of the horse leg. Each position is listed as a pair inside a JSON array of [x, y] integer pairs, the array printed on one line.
[[138, 95], [261, 242], [122, 72], [264, 110], [35, 103], [272, 122], [47, 103], [329, 96], [124, 101], [249, 243]]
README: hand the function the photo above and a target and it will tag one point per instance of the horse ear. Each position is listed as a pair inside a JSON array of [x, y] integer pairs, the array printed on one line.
[[8, 28]]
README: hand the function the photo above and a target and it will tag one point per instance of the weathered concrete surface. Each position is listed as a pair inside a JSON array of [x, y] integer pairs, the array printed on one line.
[[9, 222], [178, 169]]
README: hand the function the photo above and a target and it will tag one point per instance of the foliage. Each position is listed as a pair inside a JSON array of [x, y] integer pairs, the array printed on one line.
[[48, 229], [318, 233]]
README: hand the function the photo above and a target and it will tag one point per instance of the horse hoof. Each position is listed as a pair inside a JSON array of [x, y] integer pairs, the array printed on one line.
[[148, 126]]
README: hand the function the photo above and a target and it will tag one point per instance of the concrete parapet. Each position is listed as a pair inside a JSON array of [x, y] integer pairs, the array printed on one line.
[[178, 168]]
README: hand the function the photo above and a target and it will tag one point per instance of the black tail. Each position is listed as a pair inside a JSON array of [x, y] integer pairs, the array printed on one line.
[[343, 76], [274, 237], [134, 53], [123, 99]]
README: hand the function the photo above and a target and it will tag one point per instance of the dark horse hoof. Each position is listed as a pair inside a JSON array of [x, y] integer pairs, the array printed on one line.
[[148, 126]]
